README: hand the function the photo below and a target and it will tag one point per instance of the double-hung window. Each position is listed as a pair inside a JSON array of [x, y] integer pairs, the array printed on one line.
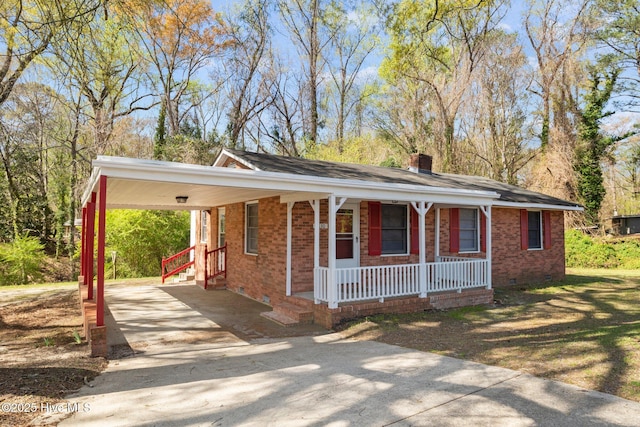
[[251, 228], [467, 230], [390, 229], [395, 233], [204, 218], [469, 233], [535, 229]]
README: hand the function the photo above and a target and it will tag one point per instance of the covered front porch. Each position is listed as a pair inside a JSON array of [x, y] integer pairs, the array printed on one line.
[[337, 283]]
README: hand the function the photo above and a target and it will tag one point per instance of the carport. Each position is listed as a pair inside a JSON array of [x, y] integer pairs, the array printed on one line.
[[125, 183]]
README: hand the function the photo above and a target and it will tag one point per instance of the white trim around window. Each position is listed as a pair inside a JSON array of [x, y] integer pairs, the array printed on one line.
[[471, 227], [389, 229], [535, 229], [251, 228]]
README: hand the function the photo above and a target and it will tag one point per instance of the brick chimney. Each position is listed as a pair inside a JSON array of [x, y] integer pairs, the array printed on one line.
[[421, 163]]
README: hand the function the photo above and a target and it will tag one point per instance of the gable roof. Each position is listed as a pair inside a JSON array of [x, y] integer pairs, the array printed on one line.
[[510, 195]]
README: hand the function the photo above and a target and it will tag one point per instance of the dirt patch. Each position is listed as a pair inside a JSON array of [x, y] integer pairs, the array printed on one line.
[[585, 331], [41, 361]]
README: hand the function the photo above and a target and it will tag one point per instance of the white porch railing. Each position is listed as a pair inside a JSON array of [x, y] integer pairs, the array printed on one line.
[[368, 283]]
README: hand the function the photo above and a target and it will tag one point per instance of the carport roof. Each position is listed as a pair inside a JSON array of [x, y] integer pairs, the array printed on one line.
[[151, 184]]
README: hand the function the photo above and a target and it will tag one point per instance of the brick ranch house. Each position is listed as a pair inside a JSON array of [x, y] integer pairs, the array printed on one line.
[[324, 241]]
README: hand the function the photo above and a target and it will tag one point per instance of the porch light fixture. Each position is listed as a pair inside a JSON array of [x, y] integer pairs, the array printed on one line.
[[182, 199]]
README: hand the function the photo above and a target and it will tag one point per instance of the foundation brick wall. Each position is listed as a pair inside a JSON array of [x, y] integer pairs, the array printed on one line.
[[329, 318]]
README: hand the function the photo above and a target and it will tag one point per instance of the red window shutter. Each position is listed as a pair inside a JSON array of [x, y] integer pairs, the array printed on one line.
[[524, 229], [454, 230], [375, 228], [483, 231], [546, 225], [415, 231]]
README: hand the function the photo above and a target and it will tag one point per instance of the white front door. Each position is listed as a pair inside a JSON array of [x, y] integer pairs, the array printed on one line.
[[348, 236]]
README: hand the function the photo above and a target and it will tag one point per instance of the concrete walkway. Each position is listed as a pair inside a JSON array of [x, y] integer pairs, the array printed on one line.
[[222, 380]]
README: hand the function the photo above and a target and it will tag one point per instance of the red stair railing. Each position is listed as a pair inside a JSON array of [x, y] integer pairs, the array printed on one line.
[[177, 263], [216, 261]]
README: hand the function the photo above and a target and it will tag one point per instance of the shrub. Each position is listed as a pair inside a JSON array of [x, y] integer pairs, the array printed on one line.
[[21, 260], [142, 238], [589, 252]]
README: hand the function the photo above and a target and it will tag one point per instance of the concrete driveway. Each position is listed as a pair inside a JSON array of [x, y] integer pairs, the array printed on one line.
[[217, 378]]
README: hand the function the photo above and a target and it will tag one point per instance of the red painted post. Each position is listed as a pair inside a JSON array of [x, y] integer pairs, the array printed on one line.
[[83, 236], [91, 221], [206, 266], [225, 260], [102, 210]]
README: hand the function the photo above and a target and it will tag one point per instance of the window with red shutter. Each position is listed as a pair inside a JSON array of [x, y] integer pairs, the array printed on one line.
[[454, 230], [375, 228], [415, 232], [546, 219], [524, 229], [483, 232]]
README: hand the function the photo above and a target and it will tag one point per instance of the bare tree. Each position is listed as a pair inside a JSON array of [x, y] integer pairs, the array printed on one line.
[[97, 56], [355, 39], [440, 45], [557, 31], [303, 19], [179, 38], [250, 60], [495, 119]]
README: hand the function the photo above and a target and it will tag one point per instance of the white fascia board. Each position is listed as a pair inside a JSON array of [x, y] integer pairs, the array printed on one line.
[[224, 154], [91, 185], [150, 170], [499, 204], [158, 207], [302, 196]]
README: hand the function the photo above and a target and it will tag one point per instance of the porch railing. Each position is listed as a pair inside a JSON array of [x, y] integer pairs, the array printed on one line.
[[215, 263], [177, 263], [368, 283]]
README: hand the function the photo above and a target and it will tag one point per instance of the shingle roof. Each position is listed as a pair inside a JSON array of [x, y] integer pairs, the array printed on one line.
[[325, 169]]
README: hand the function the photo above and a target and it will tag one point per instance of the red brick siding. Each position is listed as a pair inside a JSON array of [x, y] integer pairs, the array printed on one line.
[[265, 274], [200, 247], [511, 264], [301, 247]]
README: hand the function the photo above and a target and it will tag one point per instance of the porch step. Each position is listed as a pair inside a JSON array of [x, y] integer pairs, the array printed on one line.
[[300, 314], [279, 318], [187, 276], [301, 302]]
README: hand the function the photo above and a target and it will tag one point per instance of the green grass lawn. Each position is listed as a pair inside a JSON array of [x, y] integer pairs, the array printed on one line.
[[584, 330]]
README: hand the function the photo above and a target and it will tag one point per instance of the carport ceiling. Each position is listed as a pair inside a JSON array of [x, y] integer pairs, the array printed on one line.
[[136, 194]]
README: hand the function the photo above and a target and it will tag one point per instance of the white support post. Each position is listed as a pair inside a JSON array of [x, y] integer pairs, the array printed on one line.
[[289, 237], [332, 279], [436, 251], [315, 205], [422, 210], [486, 210]]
